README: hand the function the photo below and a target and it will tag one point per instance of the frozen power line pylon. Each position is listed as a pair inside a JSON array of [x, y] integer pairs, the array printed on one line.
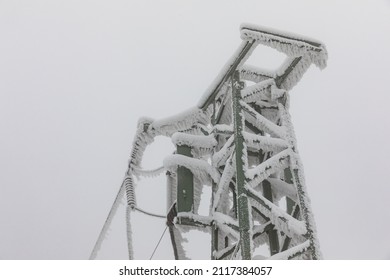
[[238, 141]]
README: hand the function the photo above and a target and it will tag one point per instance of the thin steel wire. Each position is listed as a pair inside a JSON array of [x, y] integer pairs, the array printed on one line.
[[162, 235]]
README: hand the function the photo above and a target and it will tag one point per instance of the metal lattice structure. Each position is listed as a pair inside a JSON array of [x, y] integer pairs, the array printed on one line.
[[239, 141]]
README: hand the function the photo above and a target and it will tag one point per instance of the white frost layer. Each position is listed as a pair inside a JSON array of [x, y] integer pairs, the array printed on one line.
[[262, 238], [277, 92], [197, 141], [180, 121], [277, 32], [148, 173], [261, 122], [285, 119], [198, 167], [223, 129], [282, 221], [189, 121], [261, 172], [259, 257], [223, 221], [198, 190], [288, 43], [206, 220], [223, 186], [258, 91], [260, 228], [284, 189], [264, 142], [255, 74], [306, 210], [293, 75], [179, 241], [141, 140], [220, 253], [220, 157], [290, 253]]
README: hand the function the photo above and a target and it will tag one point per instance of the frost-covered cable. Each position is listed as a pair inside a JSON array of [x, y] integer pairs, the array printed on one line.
[[107, 223], [148, 173], [129, 233], [149, 213], [158, 243]]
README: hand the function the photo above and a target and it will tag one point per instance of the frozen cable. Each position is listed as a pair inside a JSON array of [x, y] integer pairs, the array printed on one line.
[[150, 214], [158, 243], [148, 173], [107, 223]]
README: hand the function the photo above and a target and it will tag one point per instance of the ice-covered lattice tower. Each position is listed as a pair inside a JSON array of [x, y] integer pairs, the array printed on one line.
[[238, 141]]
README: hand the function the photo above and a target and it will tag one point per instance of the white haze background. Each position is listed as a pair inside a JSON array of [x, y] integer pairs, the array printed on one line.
[[76, 75]]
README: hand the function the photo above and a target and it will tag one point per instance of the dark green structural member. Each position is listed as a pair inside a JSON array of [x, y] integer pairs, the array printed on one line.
[[273, 233], [240, 150], [185, 183], [288, 179]]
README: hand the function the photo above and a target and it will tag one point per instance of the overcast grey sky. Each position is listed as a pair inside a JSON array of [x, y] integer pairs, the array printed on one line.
[[76, 75]]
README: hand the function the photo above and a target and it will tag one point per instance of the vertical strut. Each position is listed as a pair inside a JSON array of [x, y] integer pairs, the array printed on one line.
[[214, 228], [241, 162]]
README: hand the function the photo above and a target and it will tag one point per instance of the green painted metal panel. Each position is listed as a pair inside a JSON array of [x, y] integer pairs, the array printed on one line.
[[185, 183]]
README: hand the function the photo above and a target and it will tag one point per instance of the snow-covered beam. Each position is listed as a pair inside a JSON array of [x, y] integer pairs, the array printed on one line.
[[225, 74], [292, 45], [261, 122]]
